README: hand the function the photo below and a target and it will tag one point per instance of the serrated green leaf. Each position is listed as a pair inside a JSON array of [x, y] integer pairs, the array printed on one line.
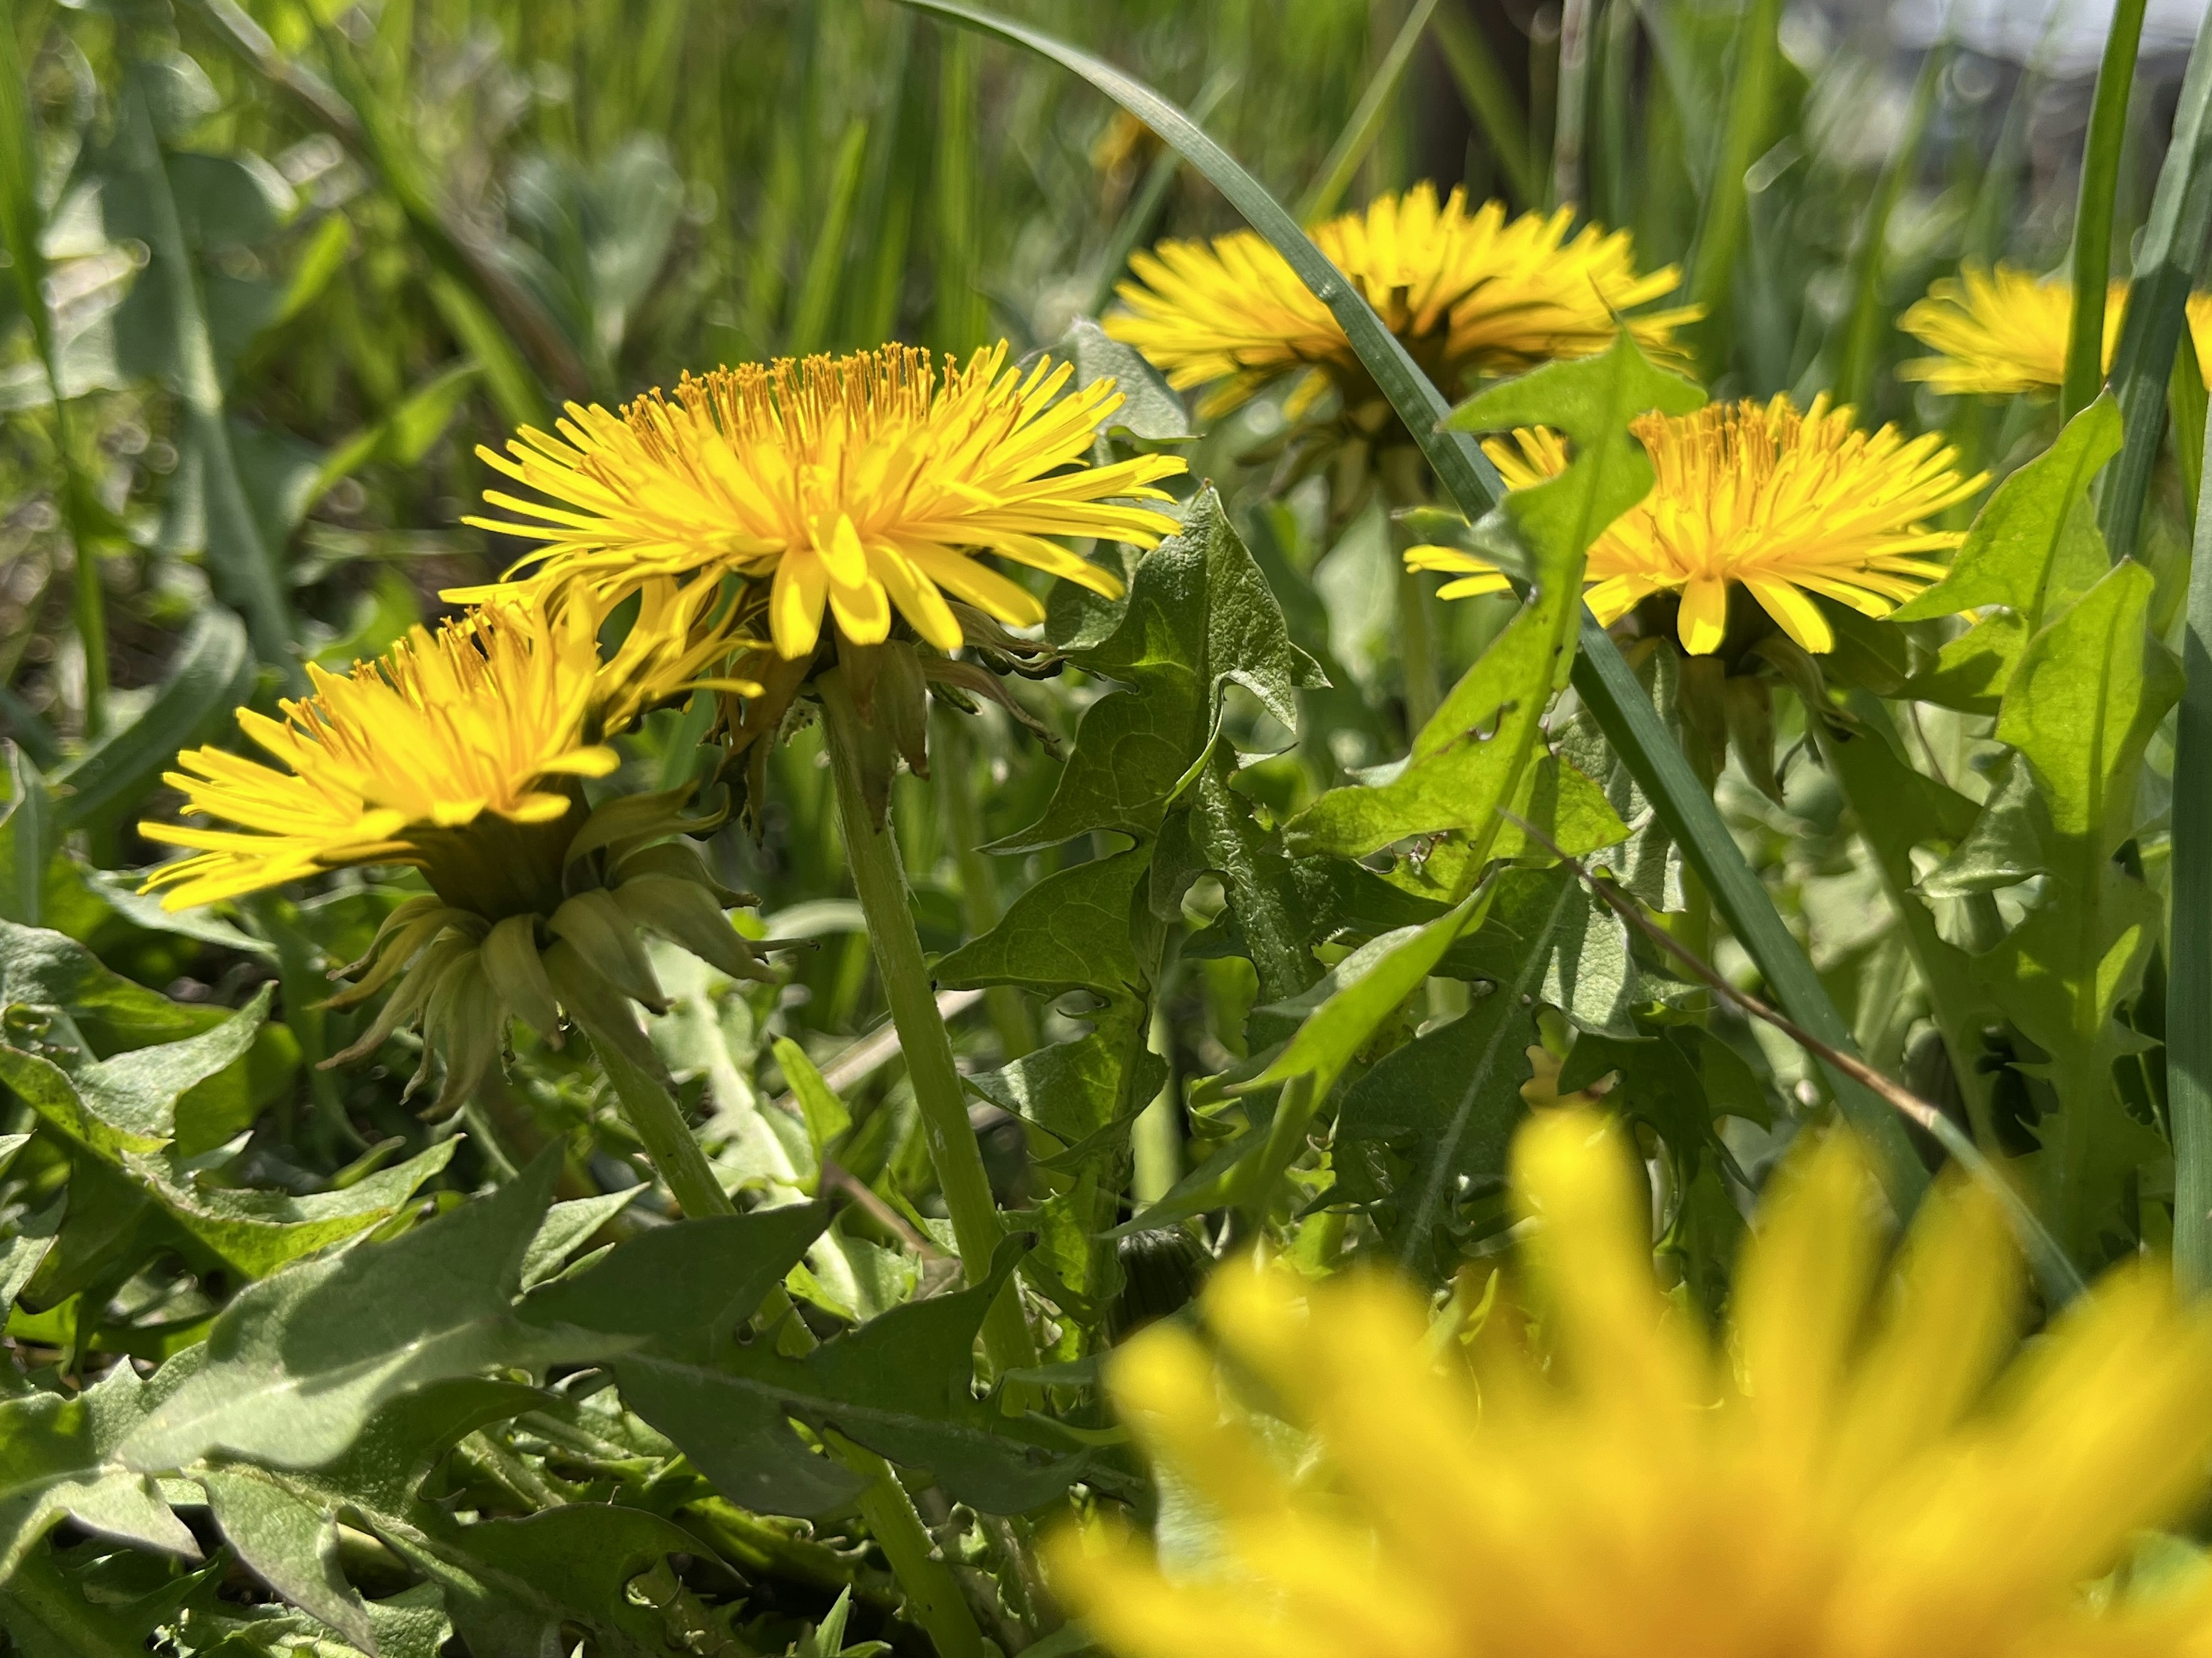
[[61, 1457], [901, 1385], [1472, 757], [565, 1228], [1431, 1124], [1200, 617], [46, 968], [128, 1102], [1586, 970], [1349, 1004], [2089, 691], [300, 1361], [289, 1544], [1069, 932]]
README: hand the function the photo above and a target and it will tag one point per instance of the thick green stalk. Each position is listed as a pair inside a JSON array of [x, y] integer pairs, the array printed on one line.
[[1567, 139], [1727, 209], [658, 1120], [880, 880], [2189, 977], [1365, 125], [979, 886], [1404, 485], [932, 1599], [2092, 212], [1491, 99]]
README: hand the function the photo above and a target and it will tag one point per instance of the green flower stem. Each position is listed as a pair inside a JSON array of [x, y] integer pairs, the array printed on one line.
[[881, 882], [932, 1599], [668, 1139], [979, 890], [1403, 476]]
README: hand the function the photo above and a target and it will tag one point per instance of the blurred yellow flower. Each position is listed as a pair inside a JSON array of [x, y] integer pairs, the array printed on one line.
[[863, 484], [1468, 293], [1781, 503], [1852, 1471], [455, 752], [1999, 332]]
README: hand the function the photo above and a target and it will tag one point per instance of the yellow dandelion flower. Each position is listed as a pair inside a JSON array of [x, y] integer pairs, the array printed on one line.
[[862, 484], [1859, 1468], [456, 752], [1781, 503], [2001, 331], [1469, 293]]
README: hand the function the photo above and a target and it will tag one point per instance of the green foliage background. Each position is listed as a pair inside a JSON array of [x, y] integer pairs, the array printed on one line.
[[292, 1369]]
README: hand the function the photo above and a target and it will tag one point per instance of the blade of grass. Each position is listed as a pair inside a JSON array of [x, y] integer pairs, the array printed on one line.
[[1609, 170], [870, 314], [2166, 266], [961, 317], [1568, 135], [2189, 947], [1601, 676], [1491, 99], [2184, 406], [1360, 132], [819, 287], [238, 554], [1727, 207], [1868, 319], [20, 226], [2093, 210]]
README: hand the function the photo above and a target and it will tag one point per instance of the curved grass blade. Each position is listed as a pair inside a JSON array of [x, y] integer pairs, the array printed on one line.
[[2167, 262], [2189, 976], [1727, 199], [2093, 211], [1601, 676], [1359, 133], [1869, 320], [1491, 99]]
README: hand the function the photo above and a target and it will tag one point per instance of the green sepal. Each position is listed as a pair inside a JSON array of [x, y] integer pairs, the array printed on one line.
[[686, 913], [596, 926]]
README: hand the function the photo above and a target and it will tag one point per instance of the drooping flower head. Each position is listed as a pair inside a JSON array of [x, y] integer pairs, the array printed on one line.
[[462, 753], [455, 752], [863, 485], [1469, 293], [1853, 1470], [2000, 331], [1780, 502]]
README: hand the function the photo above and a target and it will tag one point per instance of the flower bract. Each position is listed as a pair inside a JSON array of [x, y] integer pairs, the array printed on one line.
[[1862, 1467], [861, 486], [1470, 293], [1999, 332], [1782, 502]]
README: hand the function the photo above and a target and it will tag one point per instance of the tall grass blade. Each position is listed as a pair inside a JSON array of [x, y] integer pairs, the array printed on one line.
[[1365, 125], [2188, 944], [1600, 675], [1727, 214], [1491, 99], [1616, 70], [1569, 137], [238, 555], [1868, 319], [825, 266], [2092, 212], [961, 318], [22, 223], [2167, 262], [894, 150]]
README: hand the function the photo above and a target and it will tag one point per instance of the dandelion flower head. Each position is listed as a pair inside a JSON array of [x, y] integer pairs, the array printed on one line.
[[455, 752], [1469, 293], [2000, 331], [1781, 502], [862, 485], [1855, 1470]]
